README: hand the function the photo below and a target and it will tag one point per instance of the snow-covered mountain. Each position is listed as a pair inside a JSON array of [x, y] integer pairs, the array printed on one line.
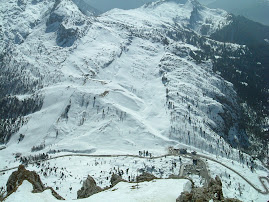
[[119, 83], [256, 10], [106, 5], [99, 77]]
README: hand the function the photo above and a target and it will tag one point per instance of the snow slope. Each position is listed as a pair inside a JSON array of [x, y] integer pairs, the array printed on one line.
[[119, 83], [100, 82], [157, 190], [24, 193]]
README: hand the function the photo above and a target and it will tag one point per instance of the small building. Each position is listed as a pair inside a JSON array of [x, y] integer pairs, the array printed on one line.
[[176, 151], [173, 150]]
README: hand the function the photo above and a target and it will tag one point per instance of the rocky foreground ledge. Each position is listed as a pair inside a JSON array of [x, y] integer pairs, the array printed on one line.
[[17, 178], [212, 192]]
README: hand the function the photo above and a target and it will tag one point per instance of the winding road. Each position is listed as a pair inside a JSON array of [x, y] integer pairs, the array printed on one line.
[[189, 156], [244, 178]]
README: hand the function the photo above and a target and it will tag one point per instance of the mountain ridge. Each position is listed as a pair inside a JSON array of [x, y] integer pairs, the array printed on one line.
[[150, 81], [88, 93]]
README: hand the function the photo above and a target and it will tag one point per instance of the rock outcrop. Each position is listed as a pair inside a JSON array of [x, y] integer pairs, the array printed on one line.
[[213, 191], [17, 178], [115, 179], [88, 188], [145, 177]]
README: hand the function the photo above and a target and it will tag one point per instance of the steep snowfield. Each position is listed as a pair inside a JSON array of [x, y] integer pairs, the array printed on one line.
[[118, 83], [183, 13], [102, 78]]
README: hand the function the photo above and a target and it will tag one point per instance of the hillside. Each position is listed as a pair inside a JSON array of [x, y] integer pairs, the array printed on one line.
[[160, 76]]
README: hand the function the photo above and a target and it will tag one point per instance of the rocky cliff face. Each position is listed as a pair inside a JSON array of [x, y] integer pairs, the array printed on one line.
[[22, 174], [145, 177], [88, 188], [212, 192], [115, 179], [17, 177]]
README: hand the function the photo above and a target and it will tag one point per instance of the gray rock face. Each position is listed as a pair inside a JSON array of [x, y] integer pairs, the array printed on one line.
[[145, 177], [66, 36], [115, 179], [55, 19], [88, 188], [213, 191], [17, 178], [54, 22], [67, 21]]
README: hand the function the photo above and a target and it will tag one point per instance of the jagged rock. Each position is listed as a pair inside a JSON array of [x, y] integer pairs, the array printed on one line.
[[172, 176], [115, 179], [88, 188], [215, 188], [66, 36], [66, 21], [184, 197], [55, 19], [213, 191], [231, 200], [17, 178], [145, 177]]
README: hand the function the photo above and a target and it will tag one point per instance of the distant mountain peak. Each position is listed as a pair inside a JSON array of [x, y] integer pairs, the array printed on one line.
[[193, 2], [86, 8], [189, 14]]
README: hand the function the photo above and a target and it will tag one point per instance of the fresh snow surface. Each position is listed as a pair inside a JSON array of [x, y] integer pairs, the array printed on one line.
[[24, 193], [76, 170], [182, 13], [111, 84], [157, 190], [118, 83]]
